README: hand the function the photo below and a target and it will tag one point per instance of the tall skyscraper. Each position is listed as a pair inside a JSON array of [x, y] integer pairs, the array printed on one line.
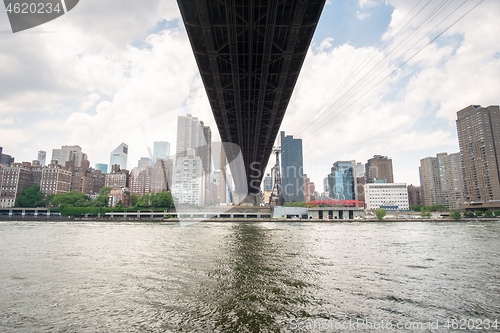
[[441, 179], [379, 168], [42, 157], [102, 167], [69, 154], [119, 156], [5, 159], [268, 182], [292, 165], [326, 186], [360, 170], [161, 150], [193, 134], [342, 180], [190, 134], [479, 139], [188, 180]]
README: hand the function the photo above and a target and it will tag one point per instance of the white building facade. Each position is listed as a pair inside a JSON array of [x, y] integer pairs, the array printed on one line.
[[72, 154], [188, 180], [119, 157], [390, 196]]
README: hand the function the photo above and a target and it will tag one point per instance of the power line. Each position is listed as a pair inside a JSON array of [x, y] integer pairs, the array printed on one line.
[[362, 83], [363, 65]]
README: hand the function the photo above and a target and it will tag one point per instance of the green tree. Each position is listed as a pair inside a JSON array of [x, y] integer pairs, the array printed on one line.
[[72, 199], [380, 213], [488, 213], [31, 197], [144, 201], [134, 198], [416, 208], [479, 213], [469, 214], [102, 199], [424, 213], [497, 213], [436, 208], [105, 190], [456, 215], [162, 199]]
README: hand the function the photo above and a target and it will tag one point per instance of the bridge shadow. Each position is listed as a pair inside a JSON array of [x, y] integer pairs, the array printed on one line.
[[255, 286]]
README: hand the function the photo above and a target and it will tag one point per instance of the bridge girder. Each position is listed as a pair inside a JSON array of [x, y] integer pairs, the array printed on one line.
[[249, 54]]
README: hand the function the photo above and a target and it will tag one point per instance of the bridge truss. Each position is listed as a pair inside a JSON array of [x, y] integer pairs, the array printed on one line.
[[249, 54]]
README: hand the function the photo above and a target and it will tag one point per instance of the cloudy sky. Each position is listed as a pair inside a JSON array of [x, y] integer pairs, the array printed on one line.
[[381, 77]]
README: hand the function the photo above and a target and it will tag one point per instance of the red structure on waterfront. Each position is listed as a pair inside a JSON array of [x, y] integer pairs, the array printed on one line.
[[335, 203]]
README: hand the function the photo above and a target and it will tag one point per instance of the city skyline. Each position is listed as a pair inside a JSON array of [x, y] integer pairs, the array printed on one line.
[[458, 180], [130, 84]]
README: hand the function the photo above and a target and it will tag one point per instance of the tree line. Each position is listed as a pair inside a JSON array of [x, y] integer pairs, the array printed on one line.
[[32, 197]]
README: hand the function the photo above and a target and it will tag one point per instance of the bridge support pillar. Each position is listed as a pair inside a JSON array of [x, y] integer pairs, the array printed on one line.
[[250, 200]]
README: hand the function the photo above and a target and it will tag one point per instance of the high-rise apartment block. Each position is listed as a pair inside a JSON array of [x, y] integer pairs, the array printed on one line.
[[14, 180], [86, 179], [161, 175], [479, 139], [189, 180], [309, 189], [117, 179], [192, 134], [140, 180], [292, 165], [119, 156], [379, 169], [51, 179], [70, 156], [414, 195], [360, 188], [55, 179], [441, 178], [342, 180]]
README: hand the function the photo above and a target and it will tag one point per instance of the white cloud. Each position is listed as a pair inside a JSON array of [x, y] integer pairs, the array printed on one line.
[[361, 16], [100, 75], [368, 3], [410, 115]]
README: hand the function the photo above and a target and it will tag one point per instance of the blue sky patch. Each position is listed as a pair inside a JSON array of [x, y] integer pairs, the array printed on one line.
[[341, 20]]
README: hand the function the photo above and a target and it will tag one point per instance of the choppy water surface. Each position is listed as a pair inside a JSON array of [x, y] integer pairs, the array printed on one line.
[[135, 277]]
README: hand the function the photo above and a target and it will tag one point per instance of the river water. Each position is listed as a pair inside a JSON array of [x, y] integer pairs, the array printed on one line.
[[249, 277]]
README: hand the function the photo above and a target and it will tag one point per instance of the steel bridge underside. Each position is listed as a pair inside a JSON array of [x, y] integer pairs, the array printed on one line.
[[249, 54]]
